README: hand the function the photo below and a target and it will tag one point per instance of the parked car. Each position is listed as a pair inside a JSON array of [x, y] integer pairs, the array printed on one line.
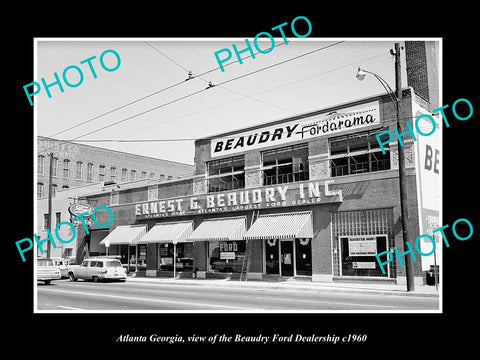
[[98, 269], [61, 263], [230, 266], [47, 271]]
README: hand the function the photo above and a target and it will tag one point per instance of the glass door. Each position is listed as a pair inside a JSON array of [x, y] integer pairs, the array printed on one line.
[[287, 258]]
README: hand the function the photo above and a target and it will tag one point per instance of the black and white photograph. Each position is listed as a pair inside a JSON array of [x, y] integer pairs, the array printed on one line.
[[217, 197], [274, 187]]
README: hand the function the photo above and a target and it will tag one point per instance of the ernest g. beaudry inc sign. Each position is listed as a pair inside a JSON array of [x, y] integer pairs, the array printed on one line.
[[297, 130]]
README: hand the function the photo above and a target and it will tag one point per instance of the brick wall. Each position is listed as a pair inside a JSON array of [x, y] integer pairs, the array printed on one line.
[[108, 158]]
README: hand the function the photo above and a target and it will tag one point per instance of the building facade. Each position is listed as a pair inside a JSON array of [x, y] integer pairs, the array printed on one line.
[[309, 196], [76, 165], [79, 170]]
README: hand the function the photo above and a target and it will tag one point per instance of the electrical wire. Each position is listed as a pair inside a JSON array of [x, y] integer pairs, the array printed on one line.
[[385, 124], [199, 91], [261, 92], [148, 95]]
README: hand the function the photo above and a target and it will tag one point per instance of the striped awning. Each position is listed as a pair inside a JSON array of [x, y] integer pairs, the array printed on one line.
[[223, 229], [173, 232], [282, 226], [124, 234]]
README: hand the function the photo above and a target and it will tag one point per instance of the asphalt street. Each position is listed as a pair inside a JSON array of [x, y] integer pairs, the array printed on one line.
[[63, 295]]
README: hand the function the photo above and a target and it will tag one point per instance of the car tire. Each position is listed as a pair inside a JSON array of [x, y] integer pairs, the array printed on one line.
[[95, 279], [47, 282], [72, 277]]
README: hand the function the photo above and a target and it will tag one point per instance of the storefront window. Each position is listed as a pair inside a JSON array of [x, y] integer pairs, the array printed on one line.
[[184, 257], [226, 256], [358, 254]]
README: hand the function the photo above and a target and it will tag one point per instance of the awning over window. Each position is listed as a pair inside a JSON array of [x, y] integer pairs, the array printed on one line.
[[124, 234], [282, 226], [174, 232], [225, 229]]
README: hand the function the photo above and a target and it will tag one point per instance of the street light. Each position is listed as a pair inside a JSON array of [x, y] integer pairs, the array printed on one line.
[[396, 98]]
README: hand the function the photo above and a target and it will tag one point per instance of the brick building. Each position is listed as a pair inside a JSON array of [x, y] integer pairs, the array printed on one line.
[[308, 196], [79, 170], [77, 164]]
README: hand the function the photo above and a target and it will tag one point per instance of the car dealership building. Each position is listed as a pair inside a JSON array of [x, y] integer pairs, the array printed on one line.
[[310, 196]]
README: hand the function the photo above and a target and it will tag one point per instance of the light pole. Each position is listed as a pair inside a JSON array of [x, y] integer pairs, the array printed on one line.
[[50, 188], [396, 99]]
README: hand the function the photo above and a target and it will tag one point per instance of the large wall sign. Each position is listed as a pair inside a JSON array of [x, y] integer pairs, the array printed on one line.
[[428, 167], [297, 130], [304, 193]]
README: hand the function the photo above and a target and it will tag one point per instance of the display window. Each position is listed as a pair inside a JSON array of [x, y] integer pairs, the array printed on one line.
[[184, 257], [358, 254], [226, 256]]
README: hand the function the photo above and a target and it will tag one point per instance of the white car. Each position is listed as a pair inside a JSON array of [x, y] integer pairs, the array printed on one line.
[[47, 271], [96, 269], [61, 263]]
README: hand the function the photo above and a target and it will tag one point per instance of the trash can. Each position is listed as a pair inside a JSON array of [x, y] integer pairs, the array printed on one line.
[[430, 275]]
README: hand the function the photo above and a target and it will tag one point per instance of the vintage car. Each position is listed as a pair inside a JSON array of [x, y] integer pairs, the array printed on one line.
[[47, 271], [61, 263], [96, 269]]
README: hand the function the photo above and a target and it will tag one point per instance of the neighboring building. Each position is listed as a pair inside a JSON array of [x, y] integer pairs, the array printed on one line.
[[79, 169], [307, 196], [76, 165]]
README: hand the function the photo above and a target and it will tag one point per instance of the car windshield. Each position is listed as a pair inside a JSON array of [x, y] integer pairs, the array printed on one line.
[[114, 263], [44, 262]]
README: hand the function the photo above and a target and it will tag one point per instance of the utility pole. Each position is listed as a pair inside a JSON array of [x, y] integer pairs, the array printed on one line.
[[50, 187], [401, 174]]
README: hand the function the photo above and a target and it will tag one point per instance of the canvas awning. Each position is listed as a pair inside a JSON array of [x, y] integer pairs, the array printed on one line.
[[173, 232], [282, 226], [220, 229], [125, 234]]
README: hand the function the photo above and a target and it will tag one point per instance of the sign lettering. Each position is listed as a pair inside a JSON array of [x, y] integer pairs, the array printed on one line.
[[303, 129]]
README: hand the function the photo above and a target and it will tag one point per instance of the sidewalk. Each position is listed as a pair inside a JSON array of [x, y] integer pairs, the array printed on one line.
[[300, 285]]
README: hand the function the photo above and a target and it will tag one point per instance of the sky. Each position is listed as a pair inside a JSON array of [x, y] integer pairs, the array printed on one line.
[[314, 81]]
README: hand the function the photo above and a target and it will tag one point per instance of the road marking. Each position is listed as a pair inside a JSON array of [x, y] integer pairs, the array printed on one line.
[[332, 302], [70, 308], [148, 299]]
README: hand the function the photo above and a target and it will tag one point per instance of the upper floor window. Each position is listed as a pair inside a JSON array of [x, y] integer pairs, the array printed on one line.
[[79, 172], [113, 173], [124, 174], [133, 175], [40, 165], [45, 221], [144, 174], [90, 172], [162, 177], [101, 173], [152, 175], [55, 167], [285, 164], [66, 169], [39, 189], [356, 154], [54, 189], [226, 174]]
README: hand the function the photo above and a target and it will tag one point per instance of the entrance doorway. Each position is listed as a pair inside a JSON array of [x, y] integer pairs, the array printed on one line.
[[287, 258]]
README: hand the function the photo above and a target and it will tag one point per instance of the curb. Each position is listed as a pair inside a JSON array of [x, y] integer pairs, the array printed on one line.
[[280, 286]]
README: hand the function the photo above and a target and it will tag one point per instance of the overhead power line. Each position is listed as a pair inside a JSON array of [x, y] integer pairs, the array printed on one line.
[[385, 123], [199, 91], [148, 95]]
